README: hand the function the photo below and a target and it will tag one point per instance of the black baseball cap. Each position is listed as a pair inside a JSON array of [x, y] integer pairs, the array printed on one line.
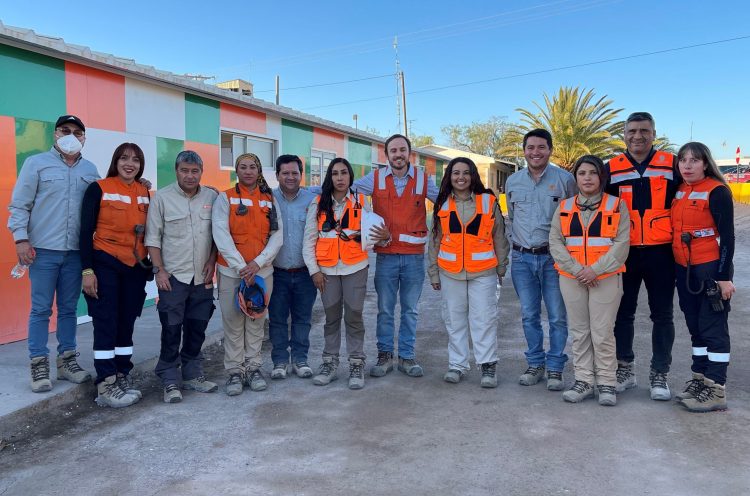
[[63, 119]]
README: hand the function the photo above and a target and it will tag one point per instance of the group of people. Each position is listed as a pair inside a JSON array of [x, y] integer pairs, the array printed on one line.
[[583, 242]]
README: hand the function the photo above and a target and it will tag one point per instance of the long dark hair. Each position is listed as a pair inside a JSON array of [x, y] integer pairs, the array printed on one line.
[[112, 171], [262, 184], [325, 204], [702, 152], [446, 188]]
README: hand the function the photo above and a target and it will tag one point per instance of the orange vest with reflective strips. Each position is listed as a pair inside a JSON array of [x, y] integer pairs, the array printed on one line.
[[587, 244], [469, 246], [330, 247], [654, 227], [405, 216], [122, 207], [691, 214], [250, 231]]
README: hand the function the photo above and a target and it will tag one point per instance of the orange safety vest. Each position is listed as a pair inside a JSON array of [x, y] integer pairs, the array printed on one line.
[[691, 214], [587, 244], [122, 208], [250, 231], [469, 246], [330, 248], [405, 215], [654, 227]]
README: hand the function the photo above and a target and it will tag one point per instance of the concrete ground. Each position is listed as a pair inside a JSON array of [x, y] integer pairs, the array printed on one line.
[[398, 435]]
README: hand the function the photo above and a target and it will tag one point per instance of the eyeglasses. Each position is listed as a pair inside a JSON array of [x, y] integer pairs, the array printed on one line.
[[329, 226], [65, 131]]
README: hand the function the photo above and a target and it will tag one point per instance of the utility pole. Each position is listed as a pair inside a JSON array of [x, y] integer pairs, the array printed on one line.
[[277, 89], [356, 123], [403, 101], [398, 82]]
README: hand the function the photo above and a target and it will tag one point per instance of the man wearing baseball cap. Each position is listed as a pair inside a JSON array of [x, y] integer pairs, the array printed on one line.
[[45, 219]]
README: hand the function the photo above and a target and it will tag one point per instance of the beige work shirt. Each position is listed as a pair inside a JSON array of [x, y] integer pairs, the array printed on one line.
[[227, 248], [311, 239], [466, 210], [610, 261], [180, 226]]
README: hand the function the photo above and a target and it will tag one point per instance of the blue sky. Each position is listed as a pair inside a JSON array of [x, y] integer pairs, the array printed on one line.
[[440, 44]]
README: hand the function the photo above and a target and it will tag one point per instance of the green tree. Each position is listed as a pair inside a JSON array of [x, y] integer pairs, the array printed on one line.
[[491, 138], [580, 124], [421, 140]]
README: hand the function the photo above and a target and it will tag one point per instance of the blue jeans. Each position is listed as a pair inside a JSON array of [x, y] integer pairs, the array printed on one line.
[[535, 277], [393, 274], [54, 272], [293, 293]]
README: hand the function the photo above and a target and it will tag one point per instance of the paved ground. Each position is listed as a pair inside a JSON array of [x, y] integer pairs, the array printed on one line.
[[401, 435]]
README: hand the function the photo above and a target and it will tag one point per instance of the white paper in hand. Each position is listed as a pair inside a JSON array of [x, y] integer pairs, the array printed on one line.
[[369, 220]]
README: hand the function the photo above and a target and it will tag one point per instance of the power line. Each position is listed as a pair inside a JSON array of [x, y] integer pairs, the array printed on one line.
[[328, 84], [546, 71]]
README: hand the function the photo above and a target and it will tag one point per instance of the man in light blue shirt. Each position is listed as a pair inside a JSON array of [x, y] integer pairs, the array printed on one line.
[[534, 194], [45, 219], [293, 290]]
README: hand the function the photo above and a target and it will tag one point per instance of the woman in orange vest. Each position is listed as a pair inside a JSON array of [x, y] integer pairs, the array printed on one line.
[[703, 246], [248, 235], [589, 240], [468, 255], [115, 270], [332, 249]]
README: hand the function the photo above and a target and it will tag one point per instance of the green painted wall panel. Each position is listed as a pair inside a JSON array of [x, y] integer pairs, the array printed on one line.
[[32, 86], [166, 151], [32, 137], [297, 139], [201, 120], [83, 307], [359, 153], [439, 166]]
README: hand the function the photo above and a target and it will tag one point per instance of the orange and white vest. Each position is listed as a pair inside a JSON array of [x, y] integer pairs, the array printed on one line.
[[405, 216], [330, 247], [654, 227], [691, 214], [467, 247], [122, 207], [587, 244], [250, 231]]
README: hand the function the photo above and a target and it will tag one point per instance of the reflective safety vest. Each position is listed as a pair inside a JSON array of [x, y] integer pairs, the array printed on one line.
[[587, 244], [122, 208], [469, 246], [654, 226], [405, 215], [331, 246], [251, 230], [691, 214]]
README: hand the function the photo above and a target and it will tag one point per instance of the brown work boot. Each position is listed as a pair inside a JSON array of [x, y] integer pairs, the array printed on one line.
[[40, 381], [111, 394], [692, 387], [712, 397], [69, 370]]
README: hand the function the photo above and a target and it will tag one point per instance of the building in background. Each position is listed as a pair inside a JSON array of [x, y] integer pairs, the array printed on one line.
[[494, 172], [119, 100]]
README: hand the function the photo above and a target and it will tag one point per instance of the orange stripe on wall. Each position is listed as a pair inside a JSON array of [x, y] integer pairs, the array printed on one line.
[[97, 97], [329, 141], [242, 119], [16, 292], [212, 174], [429, 166]]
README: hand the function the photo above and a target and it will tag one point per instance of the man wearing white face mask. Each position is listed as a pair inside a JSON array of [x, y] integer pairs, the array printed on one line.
[[45, 217]]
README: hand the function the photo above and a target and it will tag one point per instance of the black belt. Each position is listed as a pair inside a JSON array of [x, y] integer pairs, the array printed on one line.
[[539, 250], [297, 269]]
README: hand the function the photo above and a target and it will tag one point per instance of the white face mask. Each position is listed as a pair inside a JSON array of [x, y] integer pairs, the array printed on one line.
[[69, 145]]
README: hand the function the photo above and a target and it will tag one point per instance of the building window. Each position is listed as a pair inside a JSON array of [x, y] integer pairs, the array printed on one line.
[[233, 145], [319, 161]]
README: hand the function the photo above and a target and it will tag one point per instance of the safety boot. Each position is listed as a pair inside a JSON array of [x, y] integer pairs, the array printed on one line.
[[109, 393], [383, 365], [40, 381], [692, 387], [356, 373], [126, 384], [711, 397], [625, 376], [327, 371], [69, 370]]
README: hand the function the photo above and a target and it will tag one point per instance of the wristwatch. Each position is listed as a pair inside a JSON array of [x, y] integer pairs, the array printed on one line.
[[155, 269]]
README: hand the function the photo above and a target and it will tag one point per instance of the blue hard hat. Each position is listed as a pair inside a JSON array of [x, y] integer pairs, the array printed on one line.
[[252, 298]]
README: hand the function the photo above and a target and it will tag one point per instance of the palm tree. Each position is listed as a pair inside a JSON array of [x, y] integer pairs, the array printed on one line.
[[580, 124]]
